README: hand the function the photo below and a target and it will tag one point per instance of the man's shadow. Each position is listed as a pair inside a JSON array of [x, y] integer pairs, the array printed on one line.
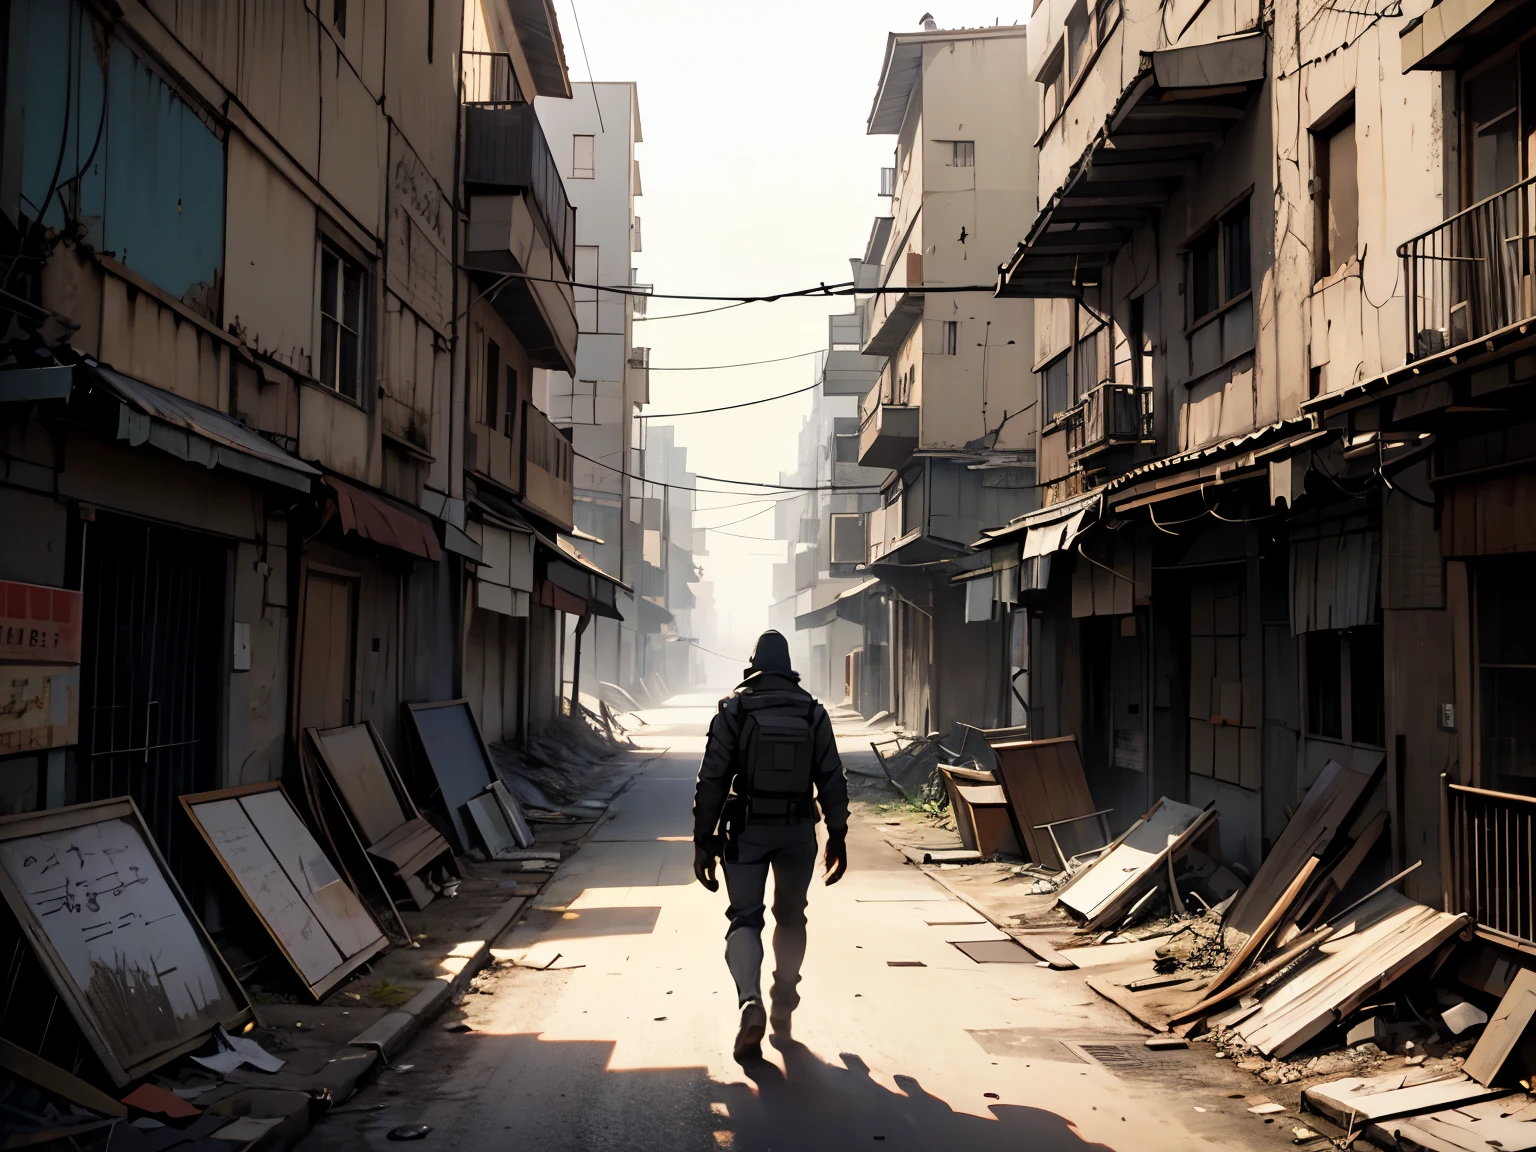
[[813, 1105]]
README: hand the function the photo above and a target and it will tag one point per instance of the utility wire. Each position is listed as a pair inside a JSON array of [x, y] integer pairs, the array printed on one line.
[[680, 315], [840, 288], [727, 480], [743, 364], [727, 407], [592, 80]]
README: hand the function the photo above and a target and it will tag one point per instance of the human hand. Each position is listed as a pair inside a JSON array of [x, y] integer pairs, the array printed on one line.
[[704, 864], [835, 857]]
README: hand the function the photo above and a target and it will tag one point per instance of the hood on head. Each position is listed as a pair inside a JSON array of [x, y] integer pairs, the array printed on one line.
[[770, 655]]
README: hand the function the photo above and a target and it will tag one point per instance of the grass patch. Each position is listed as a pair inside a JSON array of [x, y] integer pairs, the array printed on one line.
[[386, 994]]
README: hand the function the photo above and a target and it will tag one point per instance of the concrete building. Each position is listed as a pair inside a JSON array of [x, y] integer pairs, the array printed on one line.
[[265, 395], [593, 135], [668, 613], [952, 415], [1281, 359]]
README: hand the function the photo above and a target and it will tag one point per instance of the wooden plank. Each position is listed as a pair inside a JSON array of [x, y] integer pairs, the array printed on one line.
[[1044, 951], [1510, 1021], [1454, 1131], [52, 1078], [1102, 886], [1044, 782], [1312, 909], [352, 760], [1326, 809], [1251, 946], [407, 841], [1363, 1100]]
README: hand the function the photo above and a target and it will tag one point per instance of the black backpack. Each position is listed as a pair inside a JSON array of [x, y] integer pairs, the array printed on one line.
[[777, 750]]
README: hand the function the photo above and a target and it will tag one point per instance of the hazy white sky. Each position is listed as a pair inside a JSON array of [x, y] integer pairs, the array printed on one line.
[[758, 176]]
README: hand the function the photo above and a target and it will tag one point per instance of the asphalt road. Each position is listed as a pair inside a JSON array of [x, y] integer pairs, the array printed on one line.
[[625, 1042]]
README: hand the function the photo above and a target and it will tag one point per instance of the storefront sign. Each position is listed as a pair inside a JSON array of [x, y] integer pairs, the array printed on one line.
[[39, 624]]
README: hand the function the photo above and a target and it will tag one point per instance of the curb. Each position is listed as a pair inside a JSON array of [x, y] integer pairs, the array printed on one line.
[[390, 1036]]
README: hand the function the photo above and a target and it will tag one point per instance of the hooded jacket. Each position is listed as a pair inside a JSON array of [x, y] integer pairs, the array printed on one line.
[[770, 671]]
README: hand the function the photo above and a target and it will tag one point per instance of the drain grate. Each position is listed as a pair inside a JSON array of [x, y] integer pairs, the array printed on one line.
[[1115, 1057]]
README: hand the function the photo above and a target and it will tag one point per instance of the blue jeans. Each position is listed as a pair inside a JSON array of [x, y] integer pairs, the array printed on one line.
[[790, 851]]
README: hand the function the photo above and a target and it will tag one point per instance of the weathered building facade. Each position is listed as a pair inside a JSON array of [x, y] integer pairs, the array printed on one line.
[[275, 293]]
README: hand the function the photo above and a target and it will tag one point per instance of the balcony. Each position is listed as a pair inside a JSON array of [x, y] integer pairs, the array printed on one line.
[[888, 434], [891, 318], [1110, 415], [520, 221], [548, 461], [1472, 275]]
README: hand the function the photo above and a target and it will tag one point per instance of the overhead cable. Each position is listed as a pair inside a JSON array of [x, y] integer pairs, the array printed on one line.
[[727, 480], [743, 364], [728, 407], [840, 288]]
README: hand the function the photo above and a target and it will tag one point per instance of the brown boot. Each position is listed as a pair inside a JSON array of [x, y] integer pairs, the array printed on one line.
[[749, 1037]]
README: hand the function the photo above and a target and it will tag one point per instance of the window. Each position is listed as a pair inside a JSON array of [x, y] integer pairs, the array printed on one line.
[[962, 153], [1220, 264], [1088, 361], [341, 323], [1492, 102], [339, 17], [509, 417], [1335, 194], [492, 382], [1053, 80], [1079, 40], [431, 27], [949, 337], [1506, 673], [586, 298], [584, 154], [1053, 387], [1346, 696]]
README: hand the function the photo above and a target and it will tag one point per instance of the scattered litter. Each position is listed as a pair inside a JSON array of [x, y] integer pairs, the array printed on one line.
[[1301, 1134], [1268, 1108], [248, 1128], [401, 1067], [458, 1028], [905, 964], [410, 1132], [237, 1050], [156, 1101], [1165, 1043], [1459, 1017]]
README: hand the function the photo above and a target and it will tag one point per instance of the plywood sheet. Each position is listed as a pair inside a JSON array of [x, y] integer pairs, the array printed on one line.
[[1355, 1100], [514, 814], [352, 759], [1043, 781], [1324, 813], [457, 756], [1385, 937], [491, 822], [322, 927], [1505, 1124], [121, 946], [1510, 1020], [1125, 864]]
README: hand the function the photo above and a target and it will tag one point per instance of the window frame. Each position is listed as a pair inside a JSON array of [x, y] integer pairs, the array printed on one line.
[[1322, 135], [490, 407], [962, 153], [1347, 642], [578, 172], [949, 337], [360, 329], [1216, 228], [1525, 163], [1061, 358]]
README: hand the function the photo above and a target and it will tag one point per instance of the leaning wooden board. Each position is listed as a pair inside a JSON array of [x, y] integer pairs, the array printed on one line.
[[1510, 1020], [1044, 783], [1385, 937], [109, 924], [321, 926], [1357, 1100], [1100, 888], [1507, 1124]]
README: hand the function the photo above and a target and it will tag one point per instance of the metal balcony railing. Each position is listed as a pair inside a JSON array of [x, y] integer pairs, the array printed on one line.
[[1487, 857], [1471, 275], [1110, 415], [504, 148], [489, 80]]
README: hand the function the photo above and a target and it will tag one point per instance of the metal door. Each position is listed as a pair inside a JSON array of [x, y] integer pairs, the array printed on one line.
[[151, 660]]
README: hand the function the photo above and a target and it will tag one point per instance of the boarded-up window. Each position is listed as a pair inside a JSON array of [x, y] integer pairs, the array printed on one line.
[[1224, 706], [1335, 567]]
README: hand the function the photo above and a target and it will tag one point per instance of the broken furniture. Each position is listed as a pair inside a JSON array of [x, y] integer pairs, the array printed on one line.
[[968, 745], [981, 811], [384, 818], [1047, 793], [322, 928], [114, 932], [500, 822], [1134, 866], [451, 744], [908, 763]]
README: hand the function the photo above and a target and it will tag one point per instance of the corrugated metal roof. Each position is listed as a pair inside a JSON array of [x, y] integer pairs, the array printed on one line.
[[197, 433]]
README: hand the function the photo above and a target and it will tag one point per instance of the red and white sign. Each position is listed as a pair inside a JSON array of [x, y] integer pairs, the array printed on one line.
[[39, 625]]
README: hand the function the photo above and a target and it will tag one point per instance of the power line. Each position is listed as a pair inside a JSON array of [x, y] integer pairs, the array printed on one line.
[[680, 315], [743, 364], [840, 288], [726, 480], [728, 407], [592, 80]]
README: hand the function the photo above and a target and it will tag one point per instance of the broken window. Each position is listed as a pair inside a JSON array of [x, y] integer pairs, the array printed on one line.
[[341, 323], [1079, 40], [1220, 264], [1335, 193], [583, 157], [1506, 682]]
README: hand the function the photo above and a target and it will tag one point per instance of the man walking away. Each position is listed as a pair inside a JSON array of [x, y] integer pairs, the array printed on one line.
[[769, 759]]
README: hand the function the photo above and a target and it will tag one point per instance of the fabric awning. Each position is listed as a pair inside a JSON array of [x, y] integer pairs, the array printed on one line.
[[196, 433], [383, 521], [652, 616], [1178, 107]]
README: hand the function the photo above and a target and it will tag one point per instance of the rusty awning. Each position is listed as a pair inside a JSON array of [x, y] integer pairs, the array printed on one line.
[[1178, 107], [383, 521]]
